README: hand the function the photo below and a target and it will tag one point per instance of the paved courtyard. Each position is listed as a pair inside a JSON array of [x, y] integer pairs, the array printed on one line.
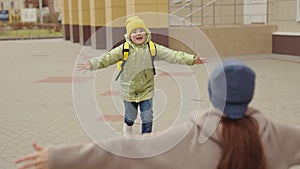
[[36, 102]]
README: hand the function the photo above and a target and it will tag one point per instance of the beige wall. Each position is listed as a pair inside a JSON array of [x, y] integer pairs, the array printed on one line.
[[97, 12], [73, 12], [106, 11], [284, 14], [84, 12], [160, 7], [65, 12], [231, 41], [115, 9]]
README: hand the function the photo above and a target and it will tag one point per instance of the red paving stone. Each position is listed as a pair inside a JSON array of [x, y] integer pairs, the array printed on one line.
[[110, 93], [64, 79], [40, 55], [271, 58], [285, 60], [111, 118], [175, 74]]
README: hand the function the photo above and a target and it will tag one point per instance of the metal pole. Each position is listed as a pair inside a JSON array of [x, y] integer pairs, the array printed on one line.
[[234, 12], [202, 13], [214, 14], [191, 9], [267, 17], [41, 12]]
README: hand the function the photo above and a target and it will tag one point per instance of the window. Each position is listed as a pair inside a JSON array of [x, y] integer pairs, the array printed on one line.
[[12, 4], [45, 3]]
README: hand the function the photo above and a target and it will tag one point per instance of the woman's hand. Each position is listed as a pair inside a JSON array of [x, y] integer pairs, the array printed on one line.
[[37, 160]]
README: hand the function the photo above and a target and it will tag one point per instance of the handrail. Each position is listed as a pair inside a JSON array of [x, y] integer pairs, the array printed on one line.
[[185, 5], [234, 16], [202, 7]]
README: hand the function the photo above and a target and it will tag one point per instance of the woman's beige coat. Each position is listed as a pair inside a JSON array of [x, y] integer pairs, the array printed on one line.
[[281, 145]]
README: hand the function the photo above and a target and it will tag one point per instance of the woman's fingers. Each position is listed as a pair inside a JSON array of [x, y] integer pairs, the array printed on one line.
[[37, 147], [31, 164], [27, 157], [28, 165], [38, 160]]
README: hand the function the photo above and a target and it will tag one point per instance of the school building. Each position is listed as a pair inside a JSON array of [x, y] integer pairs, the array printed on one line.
[[235, 27]]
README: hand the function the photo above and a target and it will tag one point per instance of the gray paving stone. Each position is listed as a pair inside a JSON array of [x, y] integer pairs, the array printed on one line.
[[44, 112]]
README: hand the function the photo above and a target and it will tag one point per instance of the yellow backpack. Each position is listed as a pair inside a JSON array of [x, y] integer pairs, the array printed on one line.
[[126, 46]]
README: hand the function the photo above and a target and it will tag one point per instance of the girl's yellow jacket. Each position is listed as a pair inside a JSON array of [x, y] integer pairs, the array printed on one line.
[[137, 78]]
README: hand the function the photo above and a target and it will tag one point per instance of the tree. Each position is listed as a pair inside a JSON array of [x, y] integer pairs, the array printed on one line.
[[51, 10]]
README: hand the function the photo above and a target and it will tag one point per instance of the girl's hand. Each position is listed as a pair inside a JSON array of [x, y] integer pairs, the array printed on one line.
[[37, 160], [198, 60], [85, 66]]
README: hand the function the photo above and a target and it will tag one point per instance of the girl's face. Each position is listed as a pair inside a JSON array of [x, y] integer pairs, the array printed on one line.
[[138, 36]]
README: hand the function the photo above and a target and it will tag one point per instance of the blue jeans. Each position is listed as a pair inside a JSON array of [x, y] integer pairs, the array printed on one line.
[[131, 110]]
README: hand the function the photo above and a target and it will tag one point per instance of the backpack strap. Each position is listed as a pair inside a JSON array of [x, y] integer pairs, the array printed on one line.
[[125, 55], [152, 49], [125, 50], [121, 63]]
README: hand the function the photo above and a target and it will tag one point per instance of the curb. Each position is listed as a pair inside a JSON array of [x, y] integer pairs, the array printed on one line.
[[31, 38]]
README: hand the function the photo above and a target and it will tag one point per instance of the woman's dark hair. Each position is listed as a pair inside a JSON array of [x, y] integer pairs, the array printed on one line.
[[241, 145]]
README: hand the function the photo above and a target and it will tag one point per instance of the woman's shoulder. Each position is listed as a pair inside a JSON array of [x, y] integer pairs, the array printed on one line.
[[213, 117]]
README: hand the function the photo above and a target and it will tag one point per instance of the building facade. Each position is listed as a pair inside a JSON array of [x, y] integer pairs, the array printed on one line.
[[100, 23], [15, 6], [83, 18]]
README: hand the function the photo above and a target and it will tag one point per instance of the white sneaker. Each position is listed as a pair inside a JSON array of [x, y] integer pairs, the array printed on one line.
[[127, 130]]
